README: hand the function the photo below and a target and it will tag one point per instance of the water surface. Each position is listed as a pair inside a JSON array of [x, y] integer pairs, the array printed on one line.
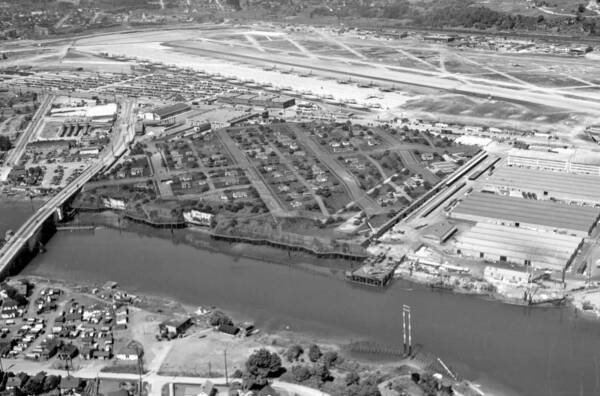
[[535, 351]]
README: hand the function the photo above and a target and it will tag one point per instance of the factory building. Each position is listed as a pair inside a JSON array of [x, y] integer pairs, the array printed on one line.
[[545, 216], [493, 242], [544, 185], [266, 101], [164, 112], [549, 161]]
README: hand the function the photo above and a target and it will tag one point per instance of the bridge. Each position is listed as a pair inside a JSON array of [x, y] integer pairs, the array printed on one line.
[[28, 232]]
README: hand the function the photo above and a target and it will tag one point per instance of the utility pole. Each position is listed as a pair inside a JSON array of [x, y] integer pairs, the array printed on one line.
[[140, 367], [225, 358], [406, 330]]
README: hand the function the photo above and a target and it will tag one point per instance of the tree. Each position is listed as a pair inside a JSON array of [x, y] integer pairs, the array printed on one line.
[[50, 383], [34, 386], [238, 374], [352, 378], [368, 387], [314, 353], [5, 143], [330, 359], [301, 373], [293, 353], [322, 373], [260, 366], [218, 318]]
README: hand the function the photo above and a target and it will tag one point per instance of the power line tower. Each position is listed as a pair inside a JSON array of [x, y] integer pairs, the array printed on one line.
[[140, 367], [406, 330], [225, 359]]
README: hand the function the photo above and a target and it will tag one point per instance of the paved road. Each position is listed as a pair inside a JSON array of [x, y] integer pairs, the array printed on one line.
[[124, 135], [356, 193], [157, 382], [257, 181], [411, 163], [36, 121], [285, 160]]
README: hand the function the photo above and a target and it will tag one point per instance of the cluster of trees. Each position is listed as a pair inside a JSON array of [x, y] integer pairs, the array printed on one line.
[[455, 13], [391, 160], [5, 143], [462, 13], [34, 385], [315, 374], [218, 318], [311, 367], [260, 367]]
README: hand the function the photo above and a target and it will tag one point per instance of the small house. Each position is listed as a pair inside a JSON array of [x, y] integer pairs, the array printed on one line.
[[208, 389], [229, 329], [174, 328], [70, 384], [67, 351], [17, 382], [131, 351]]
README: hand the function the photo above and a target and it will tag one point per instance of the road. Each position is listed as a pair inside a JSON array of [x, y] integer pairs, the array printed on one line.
[[356, 193], [410, 162], [286, 161], [125, 133], [157, 382], [265, 194], [17, 152]]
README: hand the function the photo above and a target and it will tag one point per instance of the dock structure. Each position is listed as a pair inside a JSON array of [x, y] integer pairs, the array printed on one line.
[[377, 271]]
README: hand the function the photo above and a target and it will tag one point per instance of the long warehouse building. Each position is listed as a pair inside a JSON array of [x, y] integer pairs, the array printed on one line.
[[560, 186], [545, 250], [532, 214]]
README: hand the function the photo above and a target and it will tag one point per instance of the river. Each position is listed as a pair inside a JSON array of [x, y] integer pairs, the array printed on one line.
[[14, 213], [532, 351]]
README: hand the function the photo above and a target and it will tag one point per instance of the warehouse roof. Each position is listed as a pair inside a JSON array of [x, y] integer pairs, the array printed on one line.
[[579, 187], [168, 110], [439, 232], [519, 210], [580, 156], [550, 248], [282, 99], [246, 97]]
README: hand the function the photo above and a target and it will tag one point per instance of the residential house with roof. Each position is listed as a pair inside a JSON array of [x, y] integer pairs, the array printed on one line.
[[11, 309], [208, 389], [131, 351], [70, 384], [17, 381]]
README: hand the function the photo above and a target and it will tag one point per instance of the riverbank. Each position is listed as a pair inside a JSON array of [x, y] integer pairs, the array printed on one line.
[[202, 347], [200, 238], [471, 334]]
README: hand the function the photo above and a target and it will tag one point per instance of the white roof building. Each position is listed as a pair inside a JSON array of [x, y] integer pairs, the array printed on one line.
[[493, 242]]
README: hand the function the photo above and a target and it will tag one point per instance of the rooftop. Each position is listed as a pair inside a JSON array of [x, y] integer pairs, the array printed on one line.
[[580, 156], [439, 231], [165, 111], [559, 184], [552, 249], [520, 210]]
